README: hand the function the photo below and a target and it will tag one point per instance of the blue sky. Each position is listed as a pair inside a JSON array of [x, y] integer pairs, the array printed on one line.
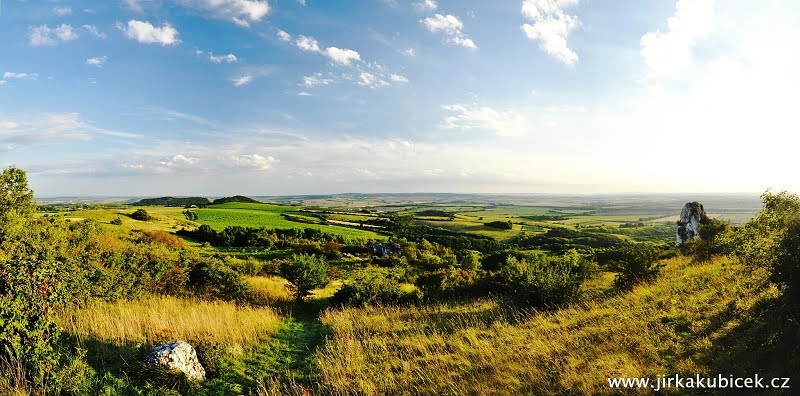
[[184, 97]]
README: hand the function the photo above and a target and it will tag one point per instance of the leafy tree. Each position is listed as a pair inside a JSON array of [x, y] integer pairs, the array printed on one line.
[[471, 261], [305, 273], [634, 264], [542, 281], [14, 192], [141, 215]]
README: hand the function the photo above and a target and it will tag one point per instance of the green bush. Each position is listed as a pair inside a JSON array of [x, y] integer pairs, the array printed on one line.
[[635, 263], [542, 281], [211, 278], [116, 221], [141, 215], [786, 270], [305, 273], [372, 287]]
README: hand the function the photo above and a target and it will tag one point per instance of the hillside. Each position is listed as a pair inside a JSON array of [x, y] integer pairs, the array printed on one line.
[[235, 198]]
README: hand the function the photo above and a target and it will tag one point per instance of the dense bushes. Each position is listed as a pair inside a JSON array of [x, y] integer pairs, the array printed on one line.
[[542, 281], [500, 225], [634, 264], [141, 215], [211, 278]]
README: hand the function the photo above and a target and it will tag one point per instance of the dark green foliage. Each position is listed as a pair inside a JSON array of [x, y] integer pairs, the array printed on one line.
[[448, 238], [172, 201], [542, 281], [235, 198], [372, 287], [452, 283], [716, 238], [305, 273], [435, 213], [141, 215], [635, 263], [500, 225], [786, 270], [211, 278], [116, 221]]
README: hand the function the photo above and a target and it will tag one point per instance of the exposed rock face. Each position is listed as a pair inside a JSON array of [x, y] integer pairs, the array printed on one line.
[[692, 216], [177, 355]]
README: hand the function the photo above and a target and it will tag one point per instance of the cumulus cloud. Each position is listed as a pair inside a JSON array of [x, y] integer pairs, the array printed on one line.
[[240, 12], [397, 78], [214, 58], [315, 80], [253, 161], [145, 33], [283, 36], [306, 43], [342, 56], [425, 5], [366, 79], [551, 26], [467, 117], [97, 61], [668, 54], [43, 35], [451, 27]]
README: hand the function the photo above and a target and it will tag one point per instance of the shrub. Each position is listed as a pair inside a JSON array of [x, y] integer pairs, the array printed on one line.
[[451, 282], [501, 225], [141, 215], [371, 287], [305, 273], [116, 221], [212, 279], [543, 281], [716, 238], [634, 264], [786, 270], [162, 238]]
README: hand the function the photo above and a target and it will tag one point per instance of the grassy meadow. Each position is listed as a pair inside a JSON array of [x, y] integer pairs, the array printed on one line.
[[447, 305]]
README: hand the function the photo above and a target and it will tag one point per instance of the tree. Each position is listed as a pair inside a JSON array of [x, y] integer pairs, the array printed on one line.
[[305, 273], [15, 196]]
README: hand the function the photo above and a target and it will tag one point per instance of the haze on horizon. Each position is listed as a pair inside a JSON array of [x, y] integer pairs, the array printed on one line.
[[202, 97]]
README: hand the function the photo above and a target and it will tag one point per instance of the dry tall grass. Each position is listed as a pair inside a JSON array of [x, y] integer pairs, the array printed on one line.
[[480, 349], [267, 289], [157, 319]]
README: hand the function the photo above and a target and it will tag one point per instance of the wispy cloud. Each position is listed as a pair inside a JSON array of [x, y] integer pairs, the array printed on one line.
[[214, 58], [451, 27], [97, 61], [240, 12], [551, 26], [44, 35], [467, 117]]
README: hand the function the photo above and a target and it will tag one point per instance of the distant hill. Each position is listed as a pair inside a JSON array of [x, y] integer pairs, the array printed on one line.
[[172, 201], [235, 198]]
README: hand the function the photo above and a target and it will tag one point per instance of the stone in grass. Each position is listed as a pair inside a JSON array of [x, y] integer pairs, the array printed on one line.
[[178, 355]]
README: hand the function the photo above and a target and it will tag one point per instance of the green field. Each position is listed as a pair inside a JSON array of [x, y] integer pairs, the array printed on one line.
[[268, 215]]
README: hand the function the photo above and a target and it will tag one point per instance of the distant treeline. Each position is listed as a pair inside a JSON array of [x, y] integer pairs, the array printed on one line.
[[189, 201], [172, 201]]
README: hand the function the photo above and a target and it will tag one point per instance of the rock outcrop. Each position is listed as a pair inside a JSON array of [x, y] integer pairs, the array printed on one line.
[[692, 216], [178, 355]]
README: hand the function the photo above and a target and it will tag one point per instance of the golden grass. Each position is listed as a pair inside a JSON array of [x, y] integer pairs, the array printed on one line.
[[157, 319], [267, 289], [484, 348]]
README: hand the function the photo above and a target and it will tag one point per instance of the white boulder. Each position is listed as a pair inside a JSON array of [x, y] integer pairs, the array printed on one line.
[[178, 355]]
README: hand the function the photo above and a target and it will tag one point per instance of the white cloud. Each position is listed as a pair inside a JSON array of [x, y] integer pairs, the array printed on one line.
[[451, 27], [254, 161], [242, 80], [44, 35], [467, 117], [50, 127], [146, 33], [409, 52], [303, 93], [315, 80], [302, 2], [397, 78], [240, 12], [283, 36], [306, 43], [371, 81], [91, 29], [229, 58], [97, 61], [425, 5], [3, 82], [342, 56], [551, 26], [20, 76], [668, 54], [62, 11]]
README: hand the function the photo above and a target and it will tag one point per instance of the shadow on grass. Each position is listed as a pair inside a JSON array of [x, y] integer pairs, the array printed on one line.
[[766, 342]]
